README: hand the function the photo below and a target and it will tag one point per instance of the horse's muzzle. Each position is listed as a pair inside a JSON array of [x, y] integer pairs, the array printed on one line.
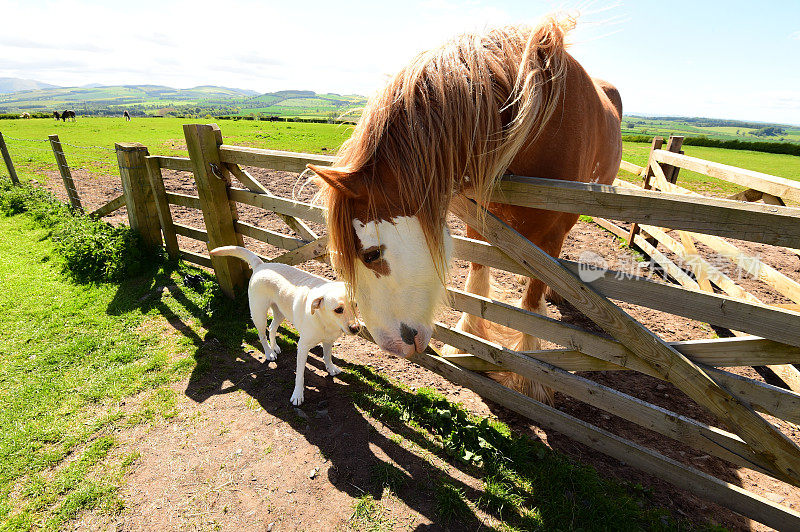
[[415, 339]]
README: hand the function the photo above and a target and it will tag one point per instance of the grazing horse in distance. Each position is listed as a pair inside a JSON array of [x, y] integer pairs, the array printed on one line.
[[68, 114], [56, 115], [456, 119], [127, 116], [25, 115]]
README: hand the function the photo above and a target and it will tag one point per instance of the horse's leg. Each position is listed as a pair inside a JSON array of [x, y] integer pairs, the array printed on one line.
[[478, 283], [534, 300], [553, 297]]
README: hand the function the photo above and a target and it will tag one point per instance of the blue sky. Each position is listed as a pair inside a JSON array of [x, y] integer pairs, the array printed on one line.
[[727, 59]]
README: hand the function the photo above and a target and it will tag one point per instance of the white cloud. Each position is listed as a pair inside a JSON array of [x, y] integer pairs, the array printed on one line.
[[342, 47]]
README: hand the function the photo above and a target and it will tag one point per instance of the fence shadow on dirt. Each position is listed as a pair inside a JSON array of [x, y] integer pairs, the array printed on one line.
[[328, 419]]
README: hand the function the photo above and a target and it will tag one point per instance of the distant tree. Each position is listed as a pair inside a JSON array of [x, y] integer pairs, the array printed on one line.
[[769, 131]]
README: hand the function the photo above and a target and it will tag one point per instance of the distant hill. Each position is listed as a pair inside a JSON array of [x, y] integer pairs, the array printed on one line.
[[159, 100], [9, 85], [213, 89], [294, 103], [712, 128]]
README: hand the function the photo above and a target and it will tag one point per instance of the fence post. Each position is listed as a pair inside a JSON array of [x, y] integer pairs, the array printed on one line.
[[7, 158], [219, 214], [164, 215], [66, 175], [142, 212], [648, 173], [674, 145]]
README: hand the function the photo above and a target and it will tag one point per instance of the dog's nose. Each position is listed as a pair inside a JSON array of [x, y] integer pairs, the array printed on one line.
[[354, 327]]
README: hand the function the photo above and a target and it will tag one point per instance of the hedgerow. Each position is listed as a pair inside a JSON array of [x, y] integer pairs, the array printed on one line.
[[16, 116], [787, 148], [93, 250]]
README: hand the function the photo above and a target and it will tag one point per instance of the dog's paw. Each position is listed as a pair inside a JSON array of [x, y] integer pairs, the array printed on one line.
[[297, 398], [333, 369], [277, 349], [270, 356]]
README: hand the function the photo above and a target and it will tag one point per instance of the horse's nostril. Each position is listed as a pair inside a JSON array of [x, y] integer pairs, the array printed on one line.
[[407, 334]]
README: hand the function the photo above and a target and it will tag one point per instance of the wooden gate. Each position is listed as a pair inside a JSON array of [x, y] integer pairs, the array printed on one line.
[[770, 336]]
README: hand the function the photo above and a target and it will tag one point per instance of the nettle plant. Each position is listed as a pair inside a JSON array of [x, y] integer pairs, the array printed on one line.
[[93, 250]]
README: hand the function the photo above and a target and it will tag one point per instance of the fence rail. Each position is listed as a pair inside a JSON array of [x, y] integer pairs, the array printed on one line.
[[273, 159], [113, 205], [767, 224], [777, 186], [661, 173], [65, 170]]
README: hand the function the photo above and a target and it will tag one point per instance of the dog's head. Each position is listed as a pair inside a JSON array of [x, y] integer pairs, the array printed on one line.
[[331, 304]]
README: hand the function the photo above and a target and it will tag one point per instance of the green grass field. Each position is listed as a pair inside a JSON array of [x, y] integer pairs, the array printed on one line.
[[68, 358], [787, 166], [154, 100], [163, 136], [117, 98]]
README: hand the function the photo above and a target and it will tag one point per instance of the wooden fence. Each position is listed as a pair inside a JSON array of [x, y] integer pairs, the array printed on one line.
[[65, 171], [661, 173], [769, 335]]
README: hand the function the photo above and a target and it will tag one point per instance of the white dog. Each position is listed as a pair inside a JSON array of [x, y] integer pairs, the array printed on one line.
[[318, 308]]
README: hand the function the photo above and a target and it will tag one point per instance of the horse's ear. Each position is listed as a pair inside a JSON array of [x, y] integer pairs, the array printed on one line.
[[347, 182]]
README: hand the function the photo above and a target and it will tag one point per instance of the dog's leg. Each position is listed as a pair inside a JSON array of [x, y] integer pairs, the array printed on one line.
[[258, 313], [299, 378], [277, 319], [327, 349]]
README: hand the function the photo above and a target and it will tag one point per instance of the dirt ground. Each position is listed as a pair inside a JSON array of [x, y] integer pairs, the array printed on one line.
[[237, 456]]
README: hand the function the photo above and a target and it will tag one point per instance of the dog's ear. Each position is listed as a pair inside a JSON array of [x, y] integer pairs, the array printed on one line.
[[315, 304]]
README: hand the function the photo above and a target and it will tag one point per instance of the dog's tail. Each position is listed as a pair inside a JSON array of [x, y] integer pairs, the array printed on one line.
[[236, 251]]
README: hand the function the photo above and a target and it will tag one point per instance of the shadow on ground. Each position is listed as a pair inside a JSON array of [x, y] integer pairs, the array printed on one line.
[[228, 359], [510, 477]]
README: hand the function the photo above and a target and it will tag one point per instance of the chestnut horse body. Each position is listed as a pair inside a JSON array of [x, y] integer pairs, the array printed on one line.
[[455, 120], [582, 142]]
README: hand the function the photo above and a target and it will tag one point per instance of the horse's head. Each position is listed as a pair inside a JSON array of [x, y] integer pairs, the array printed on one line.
[[393, 256], [463, 110]]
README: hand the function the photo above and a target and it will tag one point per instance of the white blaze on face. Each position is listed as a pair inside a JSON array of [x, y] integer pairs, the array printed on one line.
[[398, 306]]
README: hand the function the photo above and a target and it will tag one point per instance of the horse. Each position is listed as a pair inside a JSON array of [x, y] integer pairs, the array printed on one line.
[[127, 116], [455, 120], [25, 115], [56, 115], [68, 114]]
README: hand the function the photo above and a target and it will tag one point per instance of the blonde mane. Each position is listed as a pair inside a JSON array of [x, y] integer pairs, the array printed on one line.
[[455, 117]]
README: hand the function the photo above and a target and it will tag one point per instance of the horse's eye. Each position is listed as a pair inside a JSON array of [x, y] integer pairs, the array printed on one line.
[[339, 310], [372, 255]]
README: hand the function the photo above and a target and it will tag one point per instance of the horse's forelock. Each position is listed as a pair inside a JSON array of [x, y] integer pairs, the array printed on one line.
[[341, 234]]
